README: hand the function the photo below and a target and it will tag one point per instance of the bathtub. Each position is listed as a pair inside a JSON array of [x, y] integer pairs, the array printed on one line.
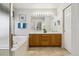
[[4, 47], [4, 50], [20, 45]]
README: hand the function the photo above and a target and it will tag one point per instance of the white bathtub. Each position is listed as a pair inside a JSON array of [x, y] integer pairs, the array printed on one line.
[[4, 48], [20, 45], [4, 51]]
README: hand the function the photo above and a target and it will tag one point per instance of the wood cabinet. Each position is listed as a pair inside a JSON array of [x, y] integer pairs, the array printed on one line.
[[45, 40], [40, 40], [56, 40], [34, 40]]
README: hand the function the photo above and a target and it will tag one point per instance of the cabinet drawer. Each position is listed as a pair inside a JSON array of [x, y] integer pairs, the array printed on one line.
[[45, 40], [45, 35], [58, 36]]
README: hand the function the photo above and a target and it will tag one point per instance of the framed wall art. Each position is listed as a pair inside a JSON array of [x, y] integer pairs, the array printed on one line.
[[22, 17]]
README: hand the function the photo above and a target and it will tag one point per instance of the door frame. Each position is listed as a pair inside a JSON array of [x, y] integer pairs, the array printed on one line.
[[64, 25]]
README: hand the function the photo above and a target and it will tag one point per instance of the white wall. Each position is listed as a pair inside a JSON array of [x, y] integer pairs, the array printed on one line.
[[4, 30], [28, 14], [16, 20], [60, 17], [75, 28]]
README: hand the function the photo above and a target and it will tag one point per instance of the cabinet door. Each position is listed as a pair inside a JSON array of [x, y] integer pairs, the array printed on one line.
[[31, 40], [34, 40], [52, 40], [56, 40]]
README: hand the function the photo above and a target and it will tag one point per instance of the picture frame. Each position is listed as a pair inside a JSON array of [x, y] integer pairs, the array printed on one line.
[[22, 17], [22, 25], [19, 25]]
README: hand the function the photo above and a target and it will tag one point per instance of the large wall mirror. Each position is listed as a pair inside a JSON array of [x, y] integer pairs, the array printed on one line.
[[37, 22]]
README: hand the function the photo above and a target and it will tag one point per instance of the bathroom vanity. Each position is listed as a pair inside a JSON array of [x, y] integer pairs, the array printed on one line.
[[44, 32], [45, 39]]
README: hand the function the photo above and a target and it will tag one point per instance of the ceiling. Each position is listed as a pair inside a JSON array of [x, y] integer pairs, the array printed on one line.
[[38, 5]]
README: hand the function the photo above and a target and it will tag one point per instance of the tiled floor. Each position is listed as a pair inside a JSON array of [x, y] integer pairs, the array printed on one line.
[[47, 51]]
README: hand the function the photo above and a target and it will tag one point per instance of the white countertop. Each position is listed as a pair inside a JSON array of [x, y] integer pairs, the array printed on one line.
[[4, 47], [45, 33], [4, 43]]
